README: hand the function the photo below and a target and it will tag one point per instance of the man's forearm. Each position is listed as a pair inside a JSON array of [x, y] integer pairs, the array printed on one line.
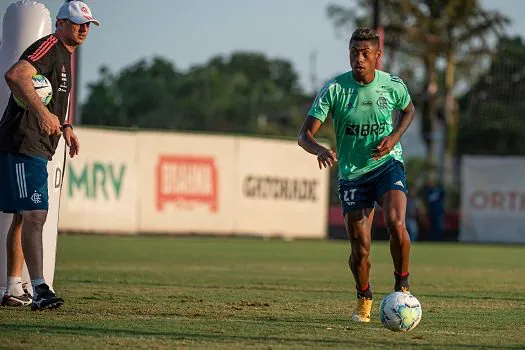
[[19, 80], [26, 92], [308, 143], [404, 120]]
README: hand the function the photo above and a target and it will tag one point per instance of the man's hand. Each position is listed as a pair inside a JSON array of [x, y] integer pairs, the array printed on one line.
[[49, 123], [71, 141], [385, 146], [326, 158]]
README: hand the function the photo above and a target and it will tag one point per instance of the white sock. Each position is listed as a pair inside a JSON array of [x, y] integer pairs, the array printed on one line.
[[37, 282], [14, 286]]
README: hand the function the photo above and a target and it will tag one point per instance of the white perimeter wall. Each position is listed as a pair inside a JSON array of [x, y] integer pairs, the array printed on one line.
[[181, 183]]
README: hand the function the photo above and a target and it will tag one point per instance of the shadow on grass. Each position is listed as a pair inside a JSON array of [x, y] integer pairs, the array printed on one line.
[[470, 297], [218, 338], [290, 288]]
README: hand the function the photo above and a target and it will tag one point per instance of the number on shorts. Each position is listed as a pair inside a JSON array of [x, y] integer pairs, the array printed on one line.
[[352, 195]]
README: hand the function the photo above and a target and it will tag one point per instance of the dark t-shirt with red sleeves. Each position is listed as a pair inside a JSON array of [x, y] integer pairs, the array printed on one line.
[[20, 130]]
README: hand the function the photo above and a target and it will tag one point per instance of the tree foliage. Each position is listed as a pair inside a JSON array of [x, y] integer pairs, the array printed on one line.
[[246, 92], [492, 111]]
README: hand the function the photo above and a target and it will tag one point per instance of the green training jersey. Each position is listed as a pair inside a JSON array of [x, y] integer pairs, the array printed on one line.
[[362, 116]]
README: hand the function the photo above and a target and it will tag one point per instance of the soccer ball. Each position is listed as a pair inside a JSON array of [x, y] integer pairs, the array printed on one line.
[[43, 90], [400, 312]]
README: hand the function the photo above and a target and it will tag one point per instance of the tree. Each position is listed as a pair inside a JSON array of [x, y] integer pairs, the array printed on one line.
[[246, 92], [467, 28], [454, 31], [492, 110], [137, 97]]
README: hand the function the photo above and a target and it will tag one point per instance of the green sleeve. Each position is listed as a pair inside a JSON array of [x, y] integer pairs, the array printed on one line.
[[401, 94], [323, 102]]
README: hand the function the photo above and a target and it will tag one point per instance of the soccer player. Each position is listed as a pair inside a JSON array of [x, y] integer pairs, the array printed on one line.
[[28, 139], [369, 154]]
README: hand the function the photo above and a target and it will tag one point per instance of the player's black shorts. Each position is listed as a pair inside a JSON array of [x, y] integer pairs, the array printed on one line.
[[367, 189]]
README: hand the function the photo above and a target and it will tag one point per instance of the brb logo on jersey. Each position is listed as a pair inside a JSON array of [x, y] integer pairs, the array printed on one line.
[[366, 129]]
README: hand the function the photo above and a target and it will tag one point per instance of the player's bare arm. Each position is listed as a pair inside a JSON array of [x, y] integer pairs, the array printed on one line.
[[19, 80], [325, 157], [403, 122]]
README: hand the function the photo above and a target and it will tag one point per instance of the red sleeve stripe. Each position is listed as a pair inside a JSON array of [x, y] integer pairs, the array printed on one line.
[[43, 48]]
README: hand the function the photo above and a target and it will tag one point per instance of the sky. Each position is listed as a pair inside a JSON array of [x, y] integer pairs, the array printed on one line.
[[191, 32]]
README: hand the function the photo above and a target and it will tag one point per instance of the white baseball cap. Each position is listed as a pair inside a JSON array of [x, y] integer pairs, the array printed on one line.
[[77, 12]]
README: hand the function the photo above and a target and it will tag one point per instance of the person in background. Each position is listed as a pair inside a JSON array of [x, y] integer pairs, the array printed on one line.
[[435, 203], [414, 213]]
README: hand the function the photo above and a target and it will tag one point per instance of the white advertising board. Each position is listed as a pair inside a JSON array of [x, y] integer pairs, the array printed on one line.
[[186, 183], [280, 190], [99, 193], [492, 199]]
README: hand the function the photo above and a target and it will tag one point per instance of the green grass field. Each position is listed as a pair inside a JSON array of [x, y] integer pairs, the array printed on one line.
[[160, 292]]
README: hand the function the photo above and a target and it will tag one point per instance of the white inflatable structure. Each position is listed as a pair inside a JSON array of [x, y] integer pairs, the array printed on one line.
[[24, 22]]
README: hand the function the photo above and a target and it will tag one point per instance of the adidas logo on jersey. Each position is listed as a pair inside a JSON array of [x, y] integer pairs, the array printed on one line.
[[399, 183]]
